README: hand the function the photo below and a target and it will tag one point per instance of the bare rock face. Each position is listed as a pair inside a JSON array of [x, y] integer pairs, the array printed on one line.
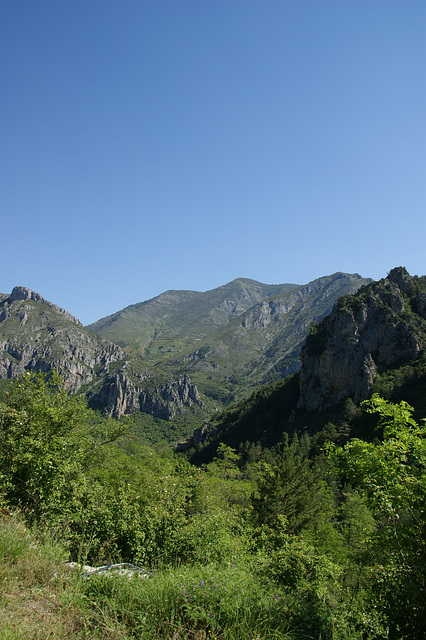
[[264, 342], [125, 393], [37, 335], [22, 293], [379, 327]]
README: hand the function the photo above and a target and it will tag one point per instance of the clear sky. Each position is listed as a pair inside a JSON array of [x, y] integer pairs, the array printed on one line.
[[149, 145]]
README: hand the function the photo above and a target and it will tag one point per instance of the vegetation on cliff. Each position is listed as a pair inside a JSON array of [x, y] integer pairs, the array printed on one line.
[[228, 340]]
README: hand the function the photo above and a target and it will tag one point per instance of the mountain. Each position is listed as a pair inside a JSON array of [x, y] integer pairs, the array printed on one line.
[[372, 341], [37, 335], [264, 342], [175, 319], [182, 352], [229, 339]]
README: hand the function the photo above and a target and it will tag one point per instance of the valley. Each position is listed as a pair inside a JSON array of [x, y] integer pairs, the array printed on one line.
[[289, 509]]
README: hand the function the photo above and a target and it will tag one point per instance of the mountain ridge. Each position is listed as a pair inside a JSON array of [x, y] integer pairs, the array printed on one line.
[[179, 352], [377, 328], [243, 292], [286, 319], [38, 335], [372, 341]]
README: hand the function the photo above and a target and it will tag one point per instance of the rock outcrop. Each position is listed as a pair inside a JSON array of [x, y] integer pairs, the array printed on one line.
[[380, 327], [23, 293], [37, 335], [263, 344], [125, 393]]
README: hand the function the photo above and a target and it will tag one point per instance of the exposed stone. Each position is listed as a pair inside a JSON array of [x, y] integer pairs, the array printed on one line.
[[37, 335], [126, 393], [22, 293], [364, 334]]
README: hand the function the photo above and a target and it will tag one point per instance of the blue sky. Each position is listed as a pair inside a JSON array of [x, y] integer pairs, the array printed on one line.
[[149, 145]]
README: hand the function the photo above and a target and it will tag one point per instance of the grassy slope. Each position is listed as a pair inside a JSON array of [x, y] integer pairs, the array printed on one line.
[[182, 315], [259, 353]]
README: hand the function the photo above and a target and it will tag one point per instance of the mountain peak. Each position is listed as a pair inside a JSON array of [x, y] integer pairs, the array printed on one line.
[[23, 293], [401, 277], [365, 334]]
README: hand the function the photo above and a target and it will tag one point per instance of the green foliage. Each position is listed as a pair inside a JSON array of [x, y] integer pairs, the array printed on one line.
[[45, 443], [317, 338], [259, 419], [294, 488], [31, 576], [157, 432], [407, 382], [391, 474], [257, 543]]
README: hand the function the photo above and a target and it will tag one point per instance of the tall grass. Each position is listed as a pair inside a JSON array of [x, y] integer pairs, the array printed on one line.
[[40, 598], [213, 601], [30, 582]]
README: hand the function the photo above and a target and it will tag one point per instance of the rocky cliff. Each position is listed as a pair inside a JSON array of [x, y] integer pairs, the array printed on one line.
[[382, 326], [174, 317], [37, 335], [125, 393]]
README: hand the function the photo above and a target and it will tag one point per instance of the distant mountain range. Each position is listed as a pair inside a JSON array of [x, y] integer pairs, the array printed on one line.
[[182, 351]]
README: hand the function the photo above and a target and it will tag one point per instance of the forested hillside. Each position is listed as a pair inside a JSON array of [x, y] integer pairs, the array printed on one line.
[[294, 541], [373, 341]]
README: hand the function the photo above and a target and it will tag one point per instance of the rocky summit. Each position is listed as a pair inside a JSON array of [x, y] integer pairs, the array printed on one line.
[[37, 335], [380, 327]]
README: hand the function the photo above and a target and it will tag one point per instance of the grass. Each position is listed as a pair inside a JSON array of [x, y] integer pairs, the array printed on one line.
[[41, 598], [30, 583], [214, 602]]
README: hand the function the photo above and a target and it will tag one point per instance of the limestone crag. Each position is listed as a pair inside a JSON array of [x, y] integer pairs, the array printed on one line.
[[380, 327], [125, 393], [168, 400], [23, 293], [37, 335], [118, 395]]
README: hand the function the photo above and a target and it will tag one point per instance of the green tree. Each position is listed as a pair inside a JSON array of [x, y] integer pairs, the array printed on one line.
[[293, 488], [45, 443], [391, 474]]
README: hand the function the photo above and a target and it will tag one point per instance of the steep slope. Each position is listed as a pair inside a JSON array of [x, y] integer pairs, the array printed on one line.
[[264, 343], [186, 352], [381, 327], [241, 334], [176, 317], [372, 341], [229, 340], [37, 335], [126, 391]]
